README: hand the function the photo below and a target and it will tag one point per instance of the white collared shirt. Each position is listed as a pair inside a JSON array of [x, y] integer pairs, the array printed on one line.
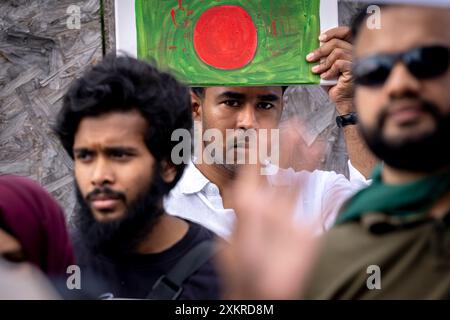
[[321, 195]]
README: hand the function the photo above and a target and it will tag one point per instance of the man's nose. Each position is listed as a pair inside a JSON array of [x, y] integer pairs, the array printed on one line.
[[401, 82], [102, 174], [247, 118]]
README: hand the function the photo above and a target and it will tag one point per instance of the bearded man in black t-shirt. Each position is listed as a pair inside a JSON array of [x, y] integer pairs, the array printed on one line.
[[116, 123]]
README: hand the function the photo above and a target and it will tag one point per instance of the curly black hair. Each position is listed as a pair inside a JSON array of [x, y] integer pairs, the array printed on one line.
[[124, 84]]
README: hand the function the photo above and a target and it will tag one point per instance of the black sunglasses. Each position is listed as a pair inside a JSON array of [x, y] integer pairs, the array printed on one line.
[[423, 62]]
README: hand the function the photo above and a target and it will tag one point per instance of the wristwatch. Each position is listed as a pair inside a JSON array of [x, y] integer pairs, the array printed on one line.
[[346, 119]]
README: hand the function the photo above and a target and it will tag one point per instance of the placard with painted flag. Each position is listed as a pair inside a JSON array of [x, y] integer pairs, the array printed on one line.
[[229, 42]]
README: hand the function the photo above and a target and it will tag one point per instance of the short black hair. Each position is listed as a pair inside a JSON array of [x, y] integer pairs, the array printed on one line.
[[360, 17], [200, 91], [121, 84]]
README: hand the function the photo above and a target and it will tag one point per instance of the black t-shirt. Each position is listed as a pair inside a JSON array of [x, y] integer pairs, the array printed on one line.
[[134, 276]]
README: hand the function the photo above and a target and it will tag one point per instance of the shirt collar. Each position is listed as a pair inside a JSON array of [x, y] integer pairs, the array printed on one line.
[[193, 180], [379, 223]]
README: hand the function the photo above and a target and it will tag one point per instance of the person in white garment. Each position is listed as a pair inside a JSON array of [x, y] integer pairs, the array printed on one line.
[[203, 194]]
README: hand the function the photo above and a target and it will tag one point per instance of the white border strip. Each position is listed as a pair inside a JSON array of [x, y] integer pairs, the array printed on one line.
[[126, 38], [329, 19], [432, 3]]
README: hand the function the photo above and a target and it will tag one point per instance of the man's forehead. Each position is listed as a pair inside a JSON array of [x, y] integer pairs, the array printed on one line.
[[404, 27], [248, 91], [112, 126]]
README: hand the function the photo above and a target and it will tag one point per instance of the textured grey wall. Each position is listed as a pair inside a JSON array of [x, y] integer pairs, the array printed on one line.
[[40, 56]]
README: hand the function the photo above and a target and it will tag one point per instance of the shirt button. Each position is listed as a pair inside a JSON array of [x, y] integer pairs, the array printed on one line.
[[214, 190]]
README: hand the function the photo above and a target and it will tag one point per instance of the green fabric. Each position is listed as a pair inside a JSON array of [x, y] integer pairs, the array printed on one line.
[[396, 200]]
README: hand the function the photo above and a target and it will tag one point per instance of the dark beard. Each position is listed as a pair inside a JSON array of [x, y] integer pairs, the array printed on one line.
[[424, 154], [121, 237]]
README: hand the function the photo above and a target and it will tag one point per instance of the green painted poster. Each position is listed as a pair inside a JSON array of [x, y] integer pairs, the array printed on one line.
[[233, 42]]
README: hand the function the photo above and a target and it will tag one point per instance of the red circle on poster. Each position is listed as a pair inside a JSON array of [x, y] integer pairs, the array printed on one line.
[[225, 37]]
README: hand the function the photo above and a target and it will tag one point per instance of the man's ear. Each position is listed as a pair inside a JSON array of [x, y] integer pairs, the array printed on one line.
[[196, 103], [168, 171]]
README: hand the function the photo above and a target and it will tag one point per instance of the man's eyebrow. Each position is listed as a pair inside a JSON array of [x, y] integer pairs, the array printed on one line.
[[82, 149], [269, 97], [108, 149], [231, 95], [122, 149]]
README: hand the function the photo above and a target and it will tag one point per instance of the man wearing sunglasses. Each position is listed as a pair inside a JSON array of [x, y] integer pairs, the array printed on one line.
[[392, 239]]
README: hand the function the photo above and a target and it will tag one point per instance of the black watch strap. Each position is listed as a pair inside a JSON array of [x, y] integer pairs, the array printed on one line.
[[346, 119]]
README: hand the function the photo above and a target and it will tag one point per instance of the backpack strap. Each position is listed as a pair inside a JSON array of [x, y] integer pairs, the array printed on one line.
[[169, 286]]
